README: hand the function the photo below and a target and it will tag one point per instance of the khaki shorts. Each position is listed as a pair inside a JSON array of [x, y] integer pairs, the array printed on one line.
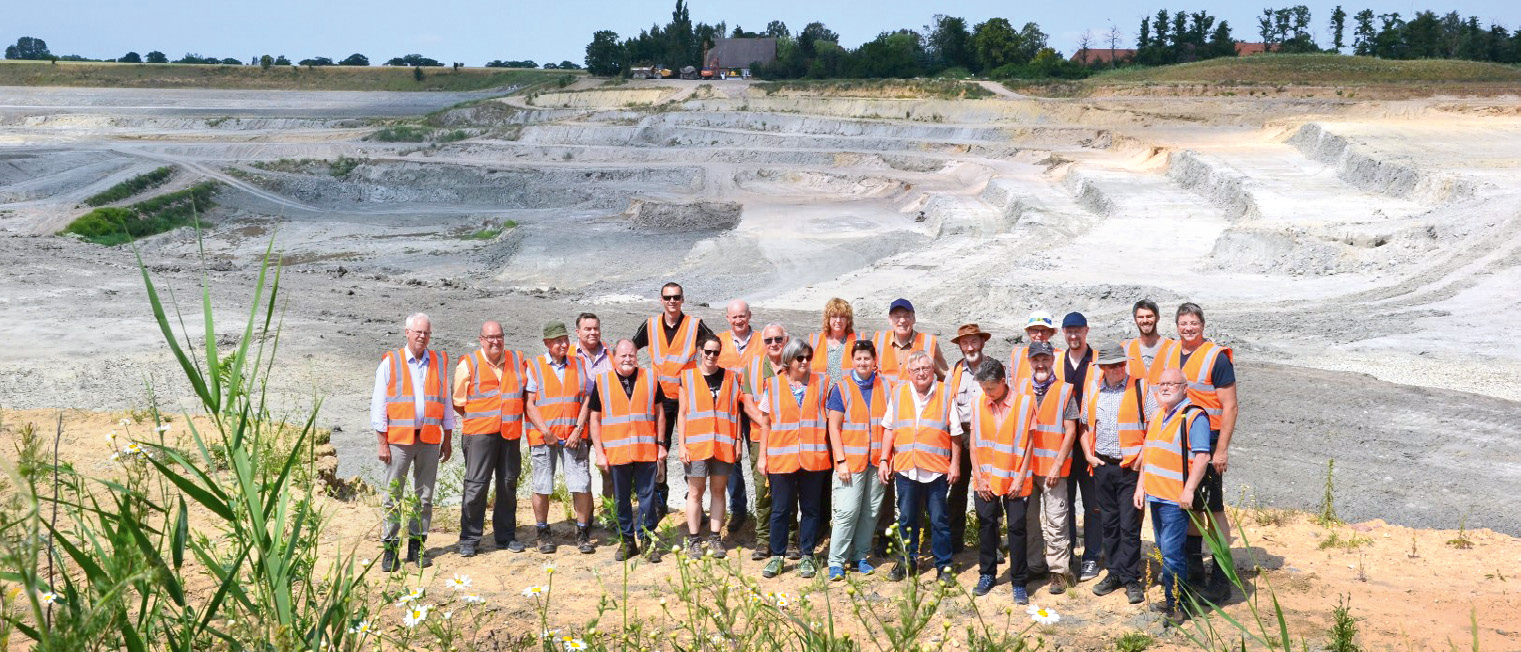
[[708, 468], [574, 461]]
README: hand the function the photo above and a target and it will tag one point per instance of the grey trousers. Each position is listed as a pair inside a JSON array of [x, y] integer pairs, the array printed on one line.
[[490, 460], [422, 460]]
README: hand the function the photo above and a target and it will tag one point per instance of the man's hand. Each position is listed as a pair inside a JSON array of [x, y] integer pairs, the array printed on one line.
[[600, 459], [446, 448], [385, 453], [681, 452], [574, 440], [842, 469], [660, 464], [1094, 460], [1186, 501], [760, 465], [1139, 499], [981, 485], [1051, 481], [1138, 463], [884, 472], [1221, 461], [952, 475]]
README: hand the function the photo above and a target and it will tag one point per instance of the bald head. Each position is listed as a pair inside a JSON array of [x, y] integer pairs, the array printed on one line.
[[738, 314], [492, 341], [1171, 388]]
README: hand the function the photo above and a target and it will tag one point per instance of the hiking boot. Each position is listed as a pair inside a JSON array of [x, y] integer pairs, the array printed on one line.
[[897, 573], [416, 555], [626, 550], [759, 552], [1108, 585], [1090, 570], [806, 569], [772, 567], [1172, 615], [583, 540], [545, 545], [694, 546], [1059, 583], [1218, 589], [388, 561], [737, 521], [946, 577], [1021, 595], [716, 546], [652, 551], [793, 553], [984, 584], [1134, 593]]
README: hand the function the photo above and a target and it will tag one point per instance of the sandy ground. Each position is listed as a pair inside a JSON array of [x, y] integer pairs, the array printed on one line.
[[1410, 588], [1360, 256]]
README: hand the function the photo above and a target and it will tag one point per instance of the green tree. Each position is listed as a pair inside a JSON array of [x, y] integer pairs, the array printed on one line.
[[812, 34], [1364, 37], [1143, 37], [995, 43], [890, 55], [951, 43], [777, 29], [355, 59], [29, 48], [266, 61], [157, 57], [282, 61], [1338, 27], [417, 73], [131, 57], [604, 56], [1221, 43], [1423, 36]]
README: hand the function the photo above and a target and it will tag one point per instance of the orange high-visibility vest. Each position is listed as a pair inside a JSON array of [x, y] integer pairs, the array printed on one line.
[[1049, 429], [1001, 448], [493, 406], [711, 428], [672, 357], [402, 420], [628, 422], [861, 431], [1059, 366], [922, 439], [1199, 372], [887, 354], [1132, 420], [559, 401], [1019, 366], [820, 345], [754, 378], [799, 435], [1137, 368], [1165, 470], [730, 357]]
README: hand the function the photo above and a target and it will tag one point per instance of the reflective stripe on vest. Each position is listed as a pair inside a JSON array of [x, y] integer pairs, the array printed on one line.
[[1136, 367], [820, 345], [673, 357], [494, 406], [402, 420], [887, 353], [798, 439], [628, 422], [861, 431], [731, 358], [1001, 448], [1019, 366], [922, 438], [1132, 432], [710, 427], [1166, 465], [1050, 430], [1199, 372], [559, 400]]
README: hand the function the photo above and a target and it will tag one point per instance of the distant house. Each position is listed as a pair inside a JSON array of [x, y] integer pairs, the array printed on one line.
[[741, 52], [1244, 49], [1093, 56]]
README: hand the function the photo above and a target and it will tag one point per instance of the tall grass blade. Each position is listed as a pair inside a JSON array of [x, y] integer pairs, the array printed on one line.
[[192, 374], [181, 534]]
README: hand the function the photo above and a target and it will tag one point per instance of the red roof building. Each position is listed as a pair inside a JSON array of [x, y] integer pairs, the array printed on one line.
[[1093, 56]]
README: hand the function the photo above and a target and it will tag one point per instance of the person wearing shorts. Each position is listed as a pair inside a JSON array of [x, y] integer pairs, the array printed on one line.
[[707, 432], [558, 406]]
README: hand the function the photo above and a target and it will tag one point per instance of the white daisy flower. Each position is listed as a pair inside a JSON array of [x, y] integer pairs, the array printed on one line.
[[473, 599], [1044, 616], [533, 591], [124, 422], [47, 597], [163, 428], [549, 567], [574, 644], [459, 581], [415, 615], [363, 627]]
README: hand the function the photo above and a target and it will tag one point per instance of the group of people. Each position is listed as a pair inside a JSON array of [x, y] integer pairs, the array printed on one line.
[[880, 432]]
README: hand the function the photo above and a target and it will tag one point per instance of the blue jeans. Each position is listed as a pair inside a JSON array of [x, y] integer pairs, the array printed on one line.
[[739, 503], [627, 480], [911, 495], [1169, 525], [791, 493]]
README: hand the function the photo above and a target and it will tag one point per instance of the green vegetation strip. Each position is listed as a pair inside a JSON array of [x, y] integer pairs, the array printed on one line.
[[114, 225], [1314, 69], [131, 187], [332, 78], [901, 88]]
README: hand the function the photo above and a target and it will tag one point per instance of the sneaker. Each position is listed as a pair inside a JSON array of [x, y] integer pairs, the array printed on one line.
[[984, 584], [512, 546], [626, 550], [1089, 571], [716, 546], [864, 568], [1134, 593], [946, 577], [897, 573], [1059, 582], [388, 561], [652, 551], [1021, 595], [772, 567], [759, 552], [583, 540], [545, 545], [467, 550], [416, 554], [1107, 585], [793, 553], [836, 573], [806, 567]]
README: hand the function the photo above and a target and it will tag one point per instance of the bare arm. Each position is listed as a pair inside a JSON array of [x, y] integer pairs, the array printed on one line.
[[600, 455], [1228, 411], [681, 425], [531, 412]]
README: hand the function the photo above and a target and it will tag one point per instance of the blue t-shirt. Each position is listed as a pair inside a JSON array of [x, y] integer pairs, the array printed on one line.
[[1199, 441], [1224, 372], [837, 402]]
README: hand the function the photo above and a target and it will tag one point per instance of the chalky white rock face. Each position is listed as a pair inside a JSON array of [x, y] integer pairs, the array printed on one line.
[[1380, 237]]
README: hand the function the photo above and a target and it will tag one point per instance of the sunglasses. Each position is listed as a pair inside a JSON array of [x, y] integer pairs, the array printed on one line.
[[773, 340], [671, 297], [711, 352], [803, 358]]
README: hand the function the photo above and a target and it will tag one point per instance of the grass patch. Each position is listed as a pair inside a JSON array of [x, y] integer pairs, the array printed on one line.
[[401, 134], [343, 166], [490, 231], [945, 89], [1313, 69], [335, 78], [131, 187], [1134, 642], [114, 225], [451, 136], [1349, 544]]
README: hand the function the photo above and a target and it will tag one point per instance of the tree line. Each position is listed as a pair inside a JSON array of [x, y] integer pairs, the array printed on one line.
[[35, 49]]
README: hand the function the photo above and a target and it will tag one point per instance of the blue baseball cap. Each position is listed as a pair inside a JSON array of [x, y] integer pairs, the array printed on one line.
[[900, 303], [1074, 319]]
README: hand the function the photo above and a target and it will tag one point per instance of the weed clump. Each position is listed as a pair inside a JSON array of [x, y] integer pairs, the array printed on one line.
[[131, 187], [114, 225]]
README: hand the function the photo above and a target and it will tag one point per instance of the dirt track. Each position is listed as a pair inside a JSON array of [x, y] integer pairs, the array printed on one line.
[[1323, 237]]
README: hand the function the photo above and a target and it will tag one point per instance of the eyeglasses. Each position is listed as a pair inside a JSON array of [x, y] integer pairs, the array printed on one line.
[[921, 370], [803, 358], [493, 338], [411, 330], [1171, 384], [711, 352], [773, 340], [671, 297]]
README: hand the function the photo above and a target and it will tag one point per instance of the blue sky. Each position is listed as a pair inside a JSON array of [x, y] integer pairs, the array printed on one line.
[[474, 32]]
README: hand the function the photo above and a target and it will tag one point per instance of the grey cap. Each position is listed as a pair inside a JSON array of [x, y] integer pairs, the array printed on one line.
[[555, 329], [1040, 348], [1110, 352]]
